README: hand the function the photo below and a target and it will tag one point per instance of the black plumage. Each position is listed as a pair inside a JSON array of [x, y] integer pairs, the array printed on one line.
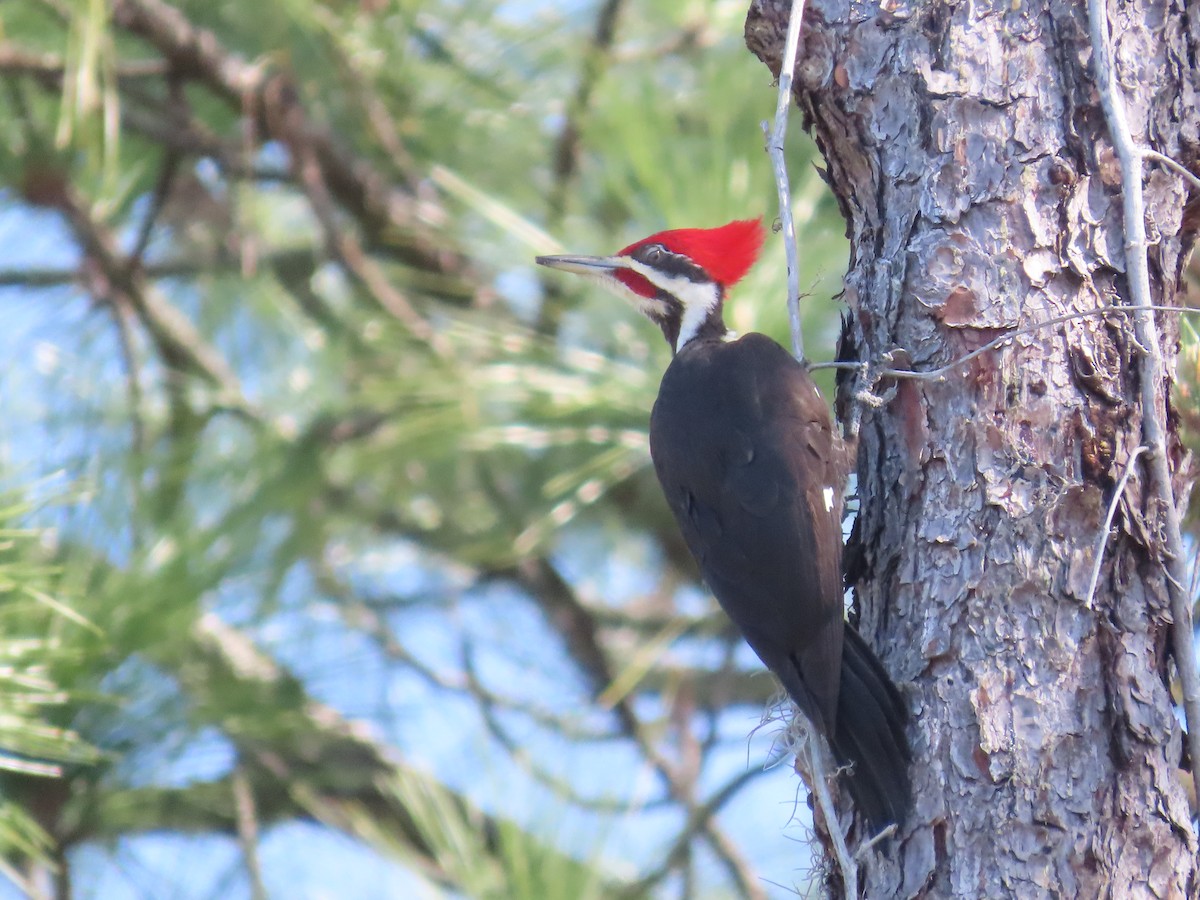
[[744, 449], [745, 452]]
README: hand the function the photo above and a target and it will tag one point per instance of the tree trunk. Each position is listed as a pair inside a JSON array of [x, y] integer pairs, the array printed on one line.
[[968, 150]]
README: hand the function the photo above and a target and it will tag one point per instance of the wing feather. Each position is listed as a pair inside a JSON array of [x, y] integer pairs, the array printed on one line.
[[744, 450]]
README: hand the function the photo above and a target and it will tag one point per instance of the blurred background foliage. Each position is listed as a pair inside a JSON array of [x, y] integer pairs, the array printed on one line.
[[331, 559]]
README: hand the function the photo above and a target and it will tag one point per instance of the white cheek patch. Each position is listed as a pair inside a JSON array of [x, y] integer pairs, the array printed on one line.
[[699, 299], [651, 307]]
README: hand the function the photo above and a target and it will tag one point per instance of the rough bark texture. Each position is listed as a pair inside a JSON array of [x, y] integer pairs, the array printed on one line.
[[967, 148]]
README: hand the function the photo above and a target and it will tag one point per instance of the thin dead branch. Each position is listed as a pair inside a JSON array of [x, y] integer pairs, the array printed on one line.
[[1152, 375], [775, 143], [940, 373], [1174, 165], [816, 761], [1102, 540]]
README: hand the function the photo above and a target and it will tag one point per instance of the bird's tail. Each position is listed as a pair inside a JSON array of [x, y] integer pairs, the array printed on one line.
[[870, 735]]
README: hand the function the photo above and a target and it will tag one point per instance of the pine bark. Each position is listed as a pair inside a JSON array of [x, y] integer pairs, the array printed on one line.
[[967, 148]]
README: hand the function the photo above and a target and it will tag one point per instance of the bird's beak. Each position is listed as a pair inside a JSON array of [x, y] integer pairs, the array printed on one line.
[[584, 265]]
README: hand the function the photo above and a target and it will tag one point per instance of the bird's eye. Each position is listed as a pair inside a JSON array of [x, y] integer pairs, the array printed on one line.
[[654, 253]]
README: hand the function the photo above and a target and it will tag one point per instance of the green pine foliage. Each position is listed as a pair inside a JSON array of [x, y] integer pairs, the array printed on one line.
[[338, 459]]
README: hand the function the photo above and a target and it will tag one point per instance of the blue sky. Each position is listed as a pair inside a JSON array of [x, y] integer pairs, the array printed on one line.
[[61, 356]]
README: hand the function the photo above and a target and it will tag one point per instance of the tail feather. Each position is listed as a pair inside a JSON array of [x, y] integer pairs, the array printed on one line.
[[869, 735]]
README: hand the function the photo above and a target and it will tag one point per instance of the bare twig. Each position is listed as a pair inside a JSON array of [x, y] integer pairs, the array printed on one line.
[[1102, 540], [1173, 164], [1152, 372], [775, 144], [871, 842], [941, 372], [816, 761]]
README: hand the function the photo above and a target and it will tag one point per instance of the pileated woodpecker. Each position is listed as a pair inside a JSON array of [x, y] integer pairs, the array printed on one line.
[[745, 453]]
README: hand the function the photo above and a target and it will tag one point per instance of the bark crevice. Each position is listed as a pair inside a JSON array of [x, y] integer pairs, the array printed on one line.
[[969, 154]]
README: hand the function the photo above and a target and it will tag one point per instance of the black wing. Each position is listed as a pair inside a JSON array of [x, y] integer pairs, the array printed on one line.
[[744, 450]]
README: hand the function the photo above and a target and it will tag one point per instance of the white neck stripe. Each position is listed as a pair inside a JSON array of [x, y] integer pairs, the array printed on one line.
[[699, 298]]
